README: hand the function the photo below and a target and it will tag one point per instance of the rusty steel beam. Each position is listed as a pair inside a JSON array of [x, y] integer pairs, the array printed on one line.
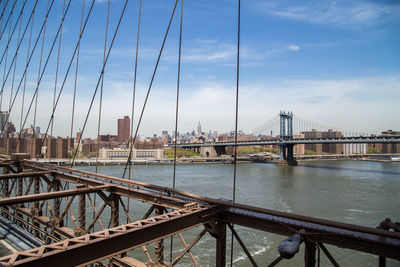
[[90, 248], [51, 195], [23, 175], [381, 243]]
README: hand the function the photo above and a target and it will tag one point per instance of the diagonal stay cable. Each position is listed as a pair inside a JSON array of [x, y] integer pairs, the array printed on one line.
[[25, 71], [149, 89], [101, 90], [44, 67], [27, 59], [5, 4], [13, 30], [6, 54], [15, 64], [99, 80], [8, 19], [134, 90], [57, 65], [76, 74], [134, 85], [18, 46], [67, 73]]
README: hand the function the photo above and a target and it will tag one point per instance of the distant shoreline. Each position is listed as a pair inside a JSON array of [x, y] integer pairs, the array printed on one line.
[[222, 160]]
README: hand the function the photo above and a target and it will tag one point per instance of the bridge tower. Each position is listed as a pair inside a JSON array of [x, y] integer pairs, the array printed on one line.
[[286, 132]]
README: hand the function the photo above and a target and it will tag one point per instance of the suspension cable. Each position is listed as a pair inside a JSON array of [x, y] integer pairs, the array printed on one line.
[[236, 121], [149, 89], [5, 63], [13, 30], [98, 81], [5, 25], [134, 92], [19, 45], [67, 73], [2, 14], [101, 90], [56, 78], [134, 88], [45, 65], [40, 65], [26, 67], [176, 113], [15, 64], [27, 58], [76, 75]]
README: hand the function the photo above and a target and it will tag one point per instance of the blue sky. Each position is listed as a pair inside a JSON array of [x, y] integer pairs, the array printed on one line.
[[333, 62]]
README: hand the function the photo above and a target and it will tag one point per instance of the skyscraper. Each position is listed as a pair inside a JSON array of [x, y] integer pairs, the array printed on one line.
[[124, 129], [198, 129]]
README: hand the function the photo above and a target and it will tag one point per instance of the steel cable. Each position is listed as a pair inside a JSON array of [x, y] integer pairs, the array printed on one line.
[[58, 63], [236, 122], [134, 90], [149, 89], [176, 112], [98, 81], [5, 25], [76, 75]]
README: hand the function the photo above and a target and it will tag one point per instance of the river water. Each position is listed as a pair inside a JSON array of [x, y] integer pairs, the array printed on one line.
[[356, 192]]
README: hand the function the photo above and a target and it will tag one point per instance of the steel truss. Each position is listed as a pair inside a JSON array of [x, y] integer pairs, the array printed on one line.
[[28, 187]]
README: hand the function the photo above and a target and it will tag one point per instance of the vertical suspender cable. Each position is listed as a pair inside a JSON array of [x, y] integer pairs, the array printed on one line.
[[177, 111], [68, 69], [101, 91], [39, 76], [98, 81], [15, 63], [27, 65], [27, 60], [101, 98], [236, 121], [131, 140], [76, 76], [149, 89], [58, 63]]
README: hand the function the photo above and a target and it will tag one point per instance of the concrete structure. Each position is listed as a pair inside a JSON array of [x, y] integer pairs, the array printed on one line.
[[124, 129]]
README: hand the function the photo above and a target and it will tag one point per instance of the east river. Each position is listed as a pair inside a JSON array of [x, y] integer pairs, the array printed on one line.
[[356, 192]]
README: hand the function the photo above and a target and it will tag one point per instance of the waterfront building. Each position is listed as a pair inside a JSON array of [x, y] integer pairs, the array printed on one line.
[[332, 148], [137, 154], [390, 148], [313, 147], [299, 148]]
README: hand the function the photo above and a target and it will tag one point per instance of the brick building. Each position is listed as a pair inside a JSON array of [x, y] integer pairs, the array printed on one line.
[[124, 129]]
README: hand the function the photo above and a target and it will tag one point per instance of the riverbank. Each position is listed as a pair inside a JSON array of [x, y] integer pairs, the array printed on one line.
[[223, 160]]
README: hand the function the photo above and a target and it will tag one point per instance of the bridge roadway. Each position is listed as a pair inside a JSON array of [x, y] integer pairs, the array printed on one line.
[[295, 141], [214, 216]]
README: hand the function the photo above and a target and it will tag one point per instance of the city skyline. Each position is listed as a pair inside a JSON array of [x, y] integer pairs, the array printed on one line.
[[334, 62]]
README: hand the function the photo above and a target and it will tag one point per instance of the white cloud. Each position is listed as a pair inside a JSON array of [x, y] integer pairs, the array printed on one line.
[[361, 104], [342, 13], [294, 47]]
